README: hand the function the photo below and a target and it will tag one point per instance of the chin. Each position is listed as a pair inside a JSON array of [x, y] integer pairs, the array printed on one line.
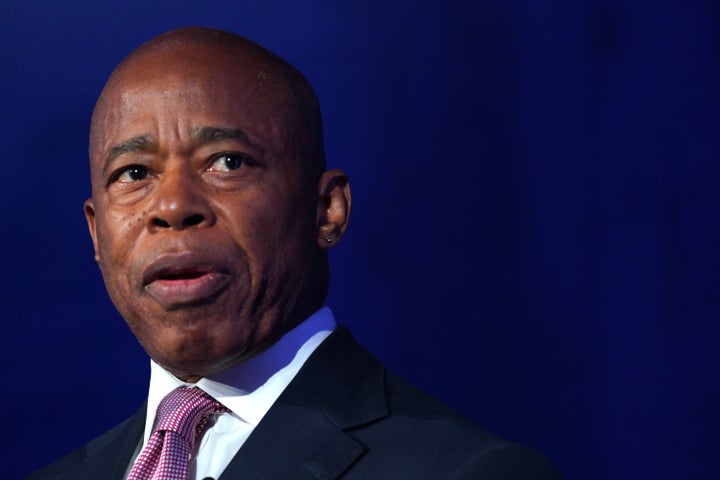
[[199, 358], [190, 369]]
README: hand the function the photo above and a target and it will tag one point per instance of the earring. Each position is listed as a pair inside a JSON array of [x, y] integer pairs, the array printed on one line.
[[328, 239]]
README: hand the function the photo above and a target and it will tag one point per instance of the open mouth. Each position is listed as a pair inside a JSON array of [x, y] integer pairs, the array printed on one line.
[[175, 281], [182, 275]]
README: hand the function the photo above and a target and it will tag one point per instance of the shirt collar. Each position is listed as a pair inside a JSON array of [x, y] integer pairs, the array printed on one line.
[[250, 388]]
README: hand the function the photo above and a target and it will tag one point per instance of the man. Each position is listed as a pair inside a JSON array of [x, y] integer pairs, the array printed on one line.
[[211, 216]]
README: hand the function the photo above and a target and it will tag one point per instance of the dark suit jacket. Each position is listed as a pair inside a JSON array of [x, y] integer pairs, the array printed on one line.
[[343, 416]]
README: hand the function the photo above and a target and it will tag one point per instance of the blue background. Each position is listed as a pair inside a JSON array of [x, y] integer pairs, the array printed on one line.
[[535, 236]]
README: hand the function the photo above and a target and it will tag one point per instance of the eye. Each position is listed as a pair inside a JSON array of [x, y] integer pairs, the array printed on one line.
[[225, 162], [131, 173]]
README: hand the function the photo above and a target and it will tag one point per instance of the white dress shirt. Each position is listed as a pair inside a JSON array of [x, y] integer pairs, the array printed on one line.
[[248, 390]]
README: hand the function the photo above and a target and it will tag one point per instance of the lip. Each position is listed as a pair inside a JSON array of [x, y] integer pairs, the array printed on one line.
[[175, 280]]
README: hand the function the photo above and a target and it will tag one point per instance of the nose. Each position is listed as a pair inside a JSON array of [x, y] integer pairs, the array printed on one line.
[[179, 202]]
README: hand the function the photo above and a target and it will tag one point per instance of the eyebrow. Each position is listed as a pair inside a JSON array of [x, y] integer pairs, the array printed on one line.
[[140, 143], [202, 135], [205, 135]]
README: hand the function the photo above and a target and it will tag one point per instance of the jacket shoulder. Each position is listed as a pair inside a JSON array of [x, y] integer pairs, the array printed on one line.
[[439, 442], [436, 441]]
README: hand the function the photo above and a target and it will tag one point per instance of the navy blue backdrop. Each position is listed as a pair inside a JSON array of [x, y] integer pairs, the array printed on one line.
[[535, 236]]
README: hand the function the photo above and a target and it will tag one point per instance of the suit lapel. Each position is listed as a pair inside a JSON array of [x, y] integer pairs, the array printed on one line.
[[108, 456], [303, 434]]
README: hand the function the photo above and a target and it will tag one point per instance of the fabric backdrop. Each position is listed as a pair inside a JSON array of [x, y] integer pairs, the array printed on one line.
[[535, 236]]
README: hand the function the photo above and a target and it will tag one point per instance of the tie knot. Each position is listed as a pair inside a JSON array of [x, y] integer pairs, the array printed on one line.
[[185, 411]]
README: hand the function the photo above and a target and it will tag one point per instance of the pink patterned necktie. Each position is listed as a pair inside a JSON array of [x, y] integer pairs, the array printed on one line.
[[181, 417]]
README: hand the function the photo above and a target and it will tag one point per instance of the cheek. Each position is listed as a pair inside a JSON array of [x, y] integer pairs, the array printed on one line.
[[117, 235], [118, 231], [277, 245]]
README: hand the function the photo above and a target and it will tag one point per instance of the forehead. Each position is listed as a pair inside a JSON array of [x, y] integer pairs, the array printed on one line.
[[189, 62], [194, 87]]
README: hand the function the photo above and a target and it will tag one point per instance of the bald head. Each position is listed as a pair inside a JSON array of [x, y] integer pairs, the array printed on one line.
[[194, 52]]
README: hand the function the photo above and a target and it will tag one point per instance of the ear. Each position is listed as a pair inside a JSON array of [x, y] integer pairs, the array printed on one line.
[[333, 212], [90, 217]]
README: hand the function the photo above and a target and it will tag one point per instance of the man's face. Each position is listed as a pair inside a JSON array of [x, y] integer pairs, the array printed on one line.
[[203, 222]]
